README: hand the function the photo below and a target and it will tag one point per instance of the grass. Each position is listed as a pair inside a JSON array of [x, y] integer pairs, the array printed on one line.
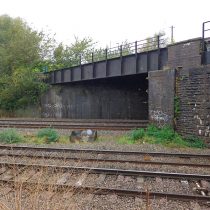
[[152, 135], [165, 136], [10, 136], [49, 135]]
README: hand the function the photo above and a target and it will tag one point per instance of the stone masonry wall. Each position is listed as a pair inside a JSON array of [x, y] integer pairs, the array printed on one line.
[[193, 91], [186, 54]]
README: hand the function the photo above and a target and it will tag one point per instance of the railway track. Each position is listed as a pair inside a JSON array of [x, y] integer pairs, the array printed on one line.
[[100, 181], [103, 156], [73, 123], [104, 181]]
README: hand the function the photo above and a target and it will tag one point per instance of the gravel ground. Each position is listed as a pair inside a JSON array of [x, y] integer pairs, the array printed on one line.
[[82, 155], [44, 200], [117, 165], [69, 200], [110, 143], [52, 176]]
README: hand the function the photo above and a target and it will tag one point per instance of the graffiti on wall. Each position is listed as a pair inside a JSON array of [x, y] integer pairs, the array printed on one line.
[[159, 117], [50, 110]]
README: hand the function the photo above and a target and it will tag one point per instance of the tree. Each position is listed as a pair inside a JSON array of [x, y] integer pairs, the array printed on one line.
[[151, 43], [21, 89], [84, 50], [67, 56], [19, 45], [22, 51]]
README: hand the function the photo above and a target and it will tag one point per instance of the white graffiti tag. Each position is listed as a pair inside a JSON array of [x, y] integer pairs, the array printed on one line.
[[159, 117]]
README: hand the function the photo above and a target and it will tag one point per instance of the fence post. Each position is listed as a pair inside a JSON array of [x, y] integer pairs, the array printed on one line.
[[81, 74], [136, 56], [120, 50], [80, 59], [121, 60], [158, 45], [135, 47], [158, 41], [92, 57], [106, 57], [203, 44], [106, 53]]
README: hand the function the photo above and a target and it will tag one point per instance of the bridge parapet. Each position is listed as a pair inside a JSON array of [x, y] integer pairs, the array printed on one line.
[[121, 66], [187, 54]]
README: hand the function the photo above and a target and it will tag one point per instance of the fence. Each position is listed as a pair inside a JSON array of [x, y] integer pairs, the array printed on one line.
[[148, 44]]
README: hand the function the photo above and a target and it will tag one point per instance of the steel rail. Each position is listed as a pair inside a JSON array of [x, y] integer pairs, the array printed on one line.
[[98, 151], [109, 171], [105, 191], [145, 162], [71, 127], [76, 126], [71, 120]]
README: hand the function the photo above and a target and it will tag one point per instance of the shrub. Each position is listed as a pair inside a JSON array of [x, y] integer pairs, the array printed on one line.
[[10, 136], [49, 134], [137, 134], [165, 133], [193, 141], [165, 136]]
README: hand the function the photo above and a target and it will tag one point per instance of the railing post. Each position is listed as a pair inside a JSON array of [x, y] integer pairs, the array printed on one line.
[[136, 50], [158, 46], [158, 41], [120, 50], [106, 53], [136, 56], [92, 57], [106, 57], [121, 60], [80, 59], [81, 74], [93, 65], [203, 44]]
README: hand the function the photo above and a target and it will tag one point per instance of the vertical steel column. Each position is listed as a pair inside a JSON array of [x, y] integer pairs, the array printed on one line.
[[203, 44], [62, 76], [136, 56], [106, 57], [81, 67], [54, 79], [71, 73], [158, 46], [93, 65], [121, 60]]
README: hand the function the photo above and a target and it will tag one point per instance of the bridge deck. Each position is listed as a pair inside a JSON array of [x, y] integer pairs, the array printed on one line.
[[121, 66]]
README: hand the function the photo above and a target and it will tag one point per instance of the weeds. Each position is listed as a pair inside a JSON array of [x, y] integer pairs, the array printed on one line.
[[10, 136], [165, 136], [50, 135]]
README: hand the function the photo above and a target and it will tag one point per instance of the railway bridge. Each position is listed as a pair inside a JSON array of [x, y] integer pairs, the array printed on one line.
[[138, 81]]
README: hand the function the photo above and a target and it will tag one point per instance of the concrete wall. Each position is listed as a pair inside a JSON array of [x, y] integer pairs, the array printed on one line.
[[193, 90], [113, 98], [161, 97]]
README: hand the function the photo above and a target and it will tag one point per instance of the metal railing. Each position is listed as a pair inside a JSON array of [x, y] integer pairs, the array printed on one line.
[[152, 43], [205, 28]]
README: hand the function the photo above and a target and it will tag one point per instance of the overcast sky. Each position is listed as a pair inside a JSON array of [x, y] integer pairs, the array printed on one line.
[[111, 21]]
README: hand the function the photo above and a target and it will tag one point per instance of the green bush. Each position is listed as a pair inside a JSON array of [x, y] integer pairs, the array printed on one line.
[[137, 134], [165, 136], [165, 133], [49, 134], [10, 136], [193, 141]]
